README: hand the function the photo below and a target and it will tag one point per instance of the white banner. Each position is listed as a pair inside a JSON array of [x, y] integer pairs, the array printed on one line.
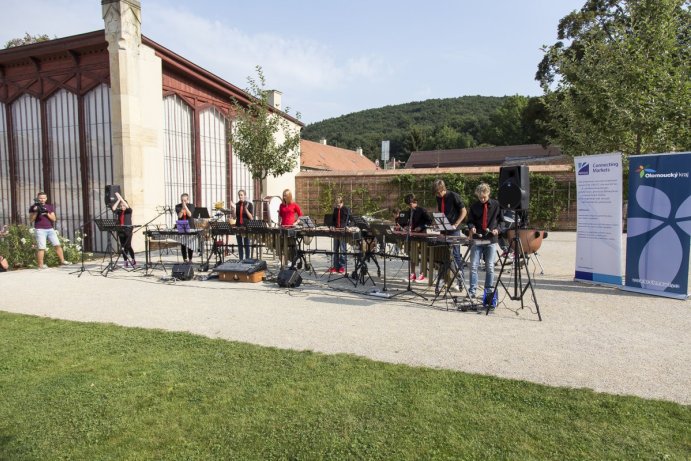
[[599, 219]]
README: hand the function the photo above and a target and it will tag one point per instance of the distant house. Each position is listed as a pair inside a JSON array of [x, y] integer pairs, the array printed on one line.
[[529, 154], [322, 157]]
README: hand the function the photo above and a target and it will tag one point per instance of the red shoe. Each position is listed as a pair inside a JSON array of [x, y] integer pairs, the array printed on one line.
[[332, 270], [421, 278], [412, 277], [341, 270]]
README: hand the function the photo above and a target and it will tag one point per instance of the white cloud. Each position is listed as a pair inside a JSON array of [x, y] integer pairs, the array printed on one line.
[[233, 53]]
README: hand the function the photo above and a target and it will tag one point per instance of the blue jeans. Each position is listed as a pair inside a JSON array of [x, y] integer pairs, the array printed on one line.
[[339, 258], [490, 254], [243, 247], [457, 252]]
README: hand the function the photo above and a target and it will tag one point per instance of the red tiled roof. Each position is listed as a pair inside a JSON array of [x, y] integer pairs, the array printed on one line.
[[317, 156], [485, 156]]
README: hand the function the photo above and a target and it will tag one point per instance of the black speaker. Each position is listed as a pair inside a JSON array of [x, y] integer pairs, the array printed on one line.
[[514, 187], [289, 278], [109, 194], [183, 271]]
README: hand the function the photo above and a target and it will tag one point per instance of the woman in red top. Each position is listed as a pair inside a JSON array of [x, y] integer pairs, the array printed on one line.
[[289, 210]]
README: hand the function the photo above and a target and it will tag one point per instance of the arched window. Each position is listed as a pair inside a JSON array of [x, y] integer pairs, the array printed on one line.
[[63, 144], [213, 145], [99, 155], [5, 185], [26, 123], [178, 151]]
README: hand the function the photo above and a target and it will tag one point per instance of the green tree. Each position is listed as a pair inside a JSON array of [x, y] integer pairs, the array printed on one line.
[[506, 123], [618, 78], [27, 39], [257, 130], [535, 122]]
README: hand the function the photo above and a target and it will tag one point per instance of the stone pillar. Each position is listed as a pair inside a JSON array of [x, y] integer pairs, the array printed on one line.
[[136, 111]]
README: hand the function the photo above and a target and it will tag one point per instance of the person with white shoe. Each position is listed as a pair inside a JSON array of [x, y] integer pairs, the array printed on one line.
[[43, 218], [483, 227]]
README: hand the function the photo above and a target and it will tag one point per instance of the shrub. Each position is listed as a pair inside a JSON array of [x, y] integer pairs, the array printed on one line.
[[18, 245]]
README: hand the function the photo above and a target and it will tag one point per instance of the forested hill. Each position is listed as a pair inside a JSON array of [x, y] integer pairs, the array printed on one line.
[[449, 123]]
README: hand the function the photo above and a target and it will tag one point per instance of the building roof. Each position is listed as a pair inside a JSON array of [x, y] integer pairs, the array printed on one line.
[[41, 56], [501, 155], [318, 156]]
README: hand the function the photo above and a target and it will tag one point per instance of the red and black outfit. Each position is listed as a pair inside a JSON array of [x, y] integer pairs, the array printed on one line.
[[243, 209], [124, 219], [340, 218]]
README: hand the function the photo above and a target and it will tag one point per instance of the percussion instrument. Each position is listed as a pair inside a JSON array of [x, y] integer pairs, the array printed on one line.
[[274, 204], [531, 239]]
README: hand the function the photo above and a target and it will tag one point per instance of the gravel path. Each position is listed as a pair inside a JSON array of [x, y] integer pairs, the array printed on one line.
[[591, 337]]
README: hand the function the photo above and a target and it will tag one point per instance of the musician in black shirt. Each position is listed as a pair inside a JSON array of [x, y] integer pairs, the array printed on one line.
[[451, 205], [340, 218], [244, 212], [418, 220], [123, 215], [184, 211], [483, 227]]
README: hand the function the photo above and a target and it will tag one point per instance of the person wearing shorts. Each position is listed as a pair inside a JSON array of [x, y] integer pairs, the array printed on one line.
[[43, 217]]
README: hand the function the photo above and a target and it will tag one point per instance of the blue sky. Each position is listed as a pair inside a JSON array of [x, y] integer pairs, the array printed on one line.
[[331, 58]]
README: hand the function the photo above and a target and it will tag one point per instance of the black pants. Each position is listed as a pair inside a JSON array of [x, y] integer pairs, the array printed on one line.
[[186, 253], [126, 245]]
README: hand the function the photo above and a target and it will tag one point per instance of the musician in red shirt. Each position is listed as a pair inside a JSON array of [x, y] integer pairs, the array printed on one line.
[[289, 211], [123, 216]]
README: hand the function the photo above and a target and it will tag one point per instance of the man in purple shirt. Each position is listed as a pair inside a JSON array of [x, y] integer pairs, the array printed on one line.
[[43, 217]]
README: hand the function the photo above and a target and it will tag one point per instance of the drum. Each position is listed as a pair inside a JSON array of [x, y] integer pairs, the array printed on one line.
[[274, 204], [531, 239]]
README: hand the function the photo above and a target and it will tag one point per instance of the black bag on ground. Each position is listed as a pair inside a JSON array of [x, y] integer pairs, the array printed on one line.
[[289, 278]]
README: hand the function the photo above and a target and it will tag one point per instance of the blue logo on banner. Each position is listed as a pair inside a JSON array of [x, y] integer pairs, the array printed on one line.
[[659, 225], [583, 168]]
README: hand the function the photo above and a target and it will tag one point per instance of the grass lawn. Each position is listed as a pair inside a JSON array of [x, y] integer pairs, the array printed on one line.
[[93, 392]]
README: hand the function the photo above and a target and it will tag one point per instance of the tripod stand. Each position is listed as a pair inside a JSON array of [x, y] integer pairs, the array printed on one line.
[[109, 225], [519, 289], [83, 268]]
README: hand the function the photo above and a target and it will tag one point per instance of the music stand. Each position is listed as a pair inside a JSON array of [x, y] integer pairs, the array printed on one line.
[[442, 222], [306, 222], [217, 229], [201, 212], [83, 268], [360, 222], [329, 220], [109, 225]]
